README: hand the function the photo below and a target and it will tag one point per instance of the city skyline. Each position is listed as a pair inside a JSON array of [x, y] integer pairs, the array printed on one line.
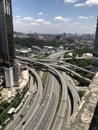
[[55, 16]]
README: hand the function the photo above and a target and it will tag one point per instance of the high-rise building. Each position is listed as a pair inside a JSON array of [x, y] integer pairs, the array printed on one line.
[[6, 34], [95, 52], [7, 61]]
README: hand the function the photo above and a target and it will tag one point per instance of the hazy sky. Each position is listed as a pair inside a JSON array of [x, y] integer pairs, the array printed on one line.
[[55, 16]]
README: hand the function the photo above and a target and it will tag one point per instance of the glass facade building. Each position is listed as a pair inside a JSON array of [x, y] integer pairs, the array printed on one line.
[[6, 34], [95, 52]]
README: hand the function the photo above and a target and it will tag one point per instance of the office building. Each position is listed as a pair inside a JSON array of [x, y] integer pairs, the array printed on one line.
[[7, 51], [95, 52], [6, 34]]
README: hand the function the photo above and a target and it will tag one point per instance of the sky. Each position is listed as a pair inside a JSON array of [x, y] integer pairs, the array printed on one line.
[[55, 16]]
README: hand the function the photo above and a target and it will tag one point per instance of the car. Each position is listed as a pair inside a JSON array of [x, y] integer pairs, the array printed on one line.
[[23, 122], [21, 115], [42, 104]]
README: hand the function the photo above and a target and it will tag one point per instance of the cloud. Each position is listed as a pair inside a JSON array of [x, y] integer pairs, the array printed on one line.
[[91, 2], [21, 24], [40, 13], [60, 18], [70, 1], [30, 21], [51, 28], [47, 22], [18, 19], [76, 23], [85, 17], [42, 21], [79, 5], [34, 24], [39, 20], [87, 3], [17, 16], [28, 18], [17, 22], [23, 19]]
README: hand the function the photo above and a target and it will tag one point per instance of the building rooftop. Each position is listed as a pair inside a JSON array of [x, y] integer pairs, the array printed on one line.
[[85, 114]]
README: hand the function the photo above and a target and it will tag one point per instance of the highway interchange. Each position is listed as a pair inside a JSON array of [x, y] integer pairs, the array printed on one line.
[[54, 105]]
